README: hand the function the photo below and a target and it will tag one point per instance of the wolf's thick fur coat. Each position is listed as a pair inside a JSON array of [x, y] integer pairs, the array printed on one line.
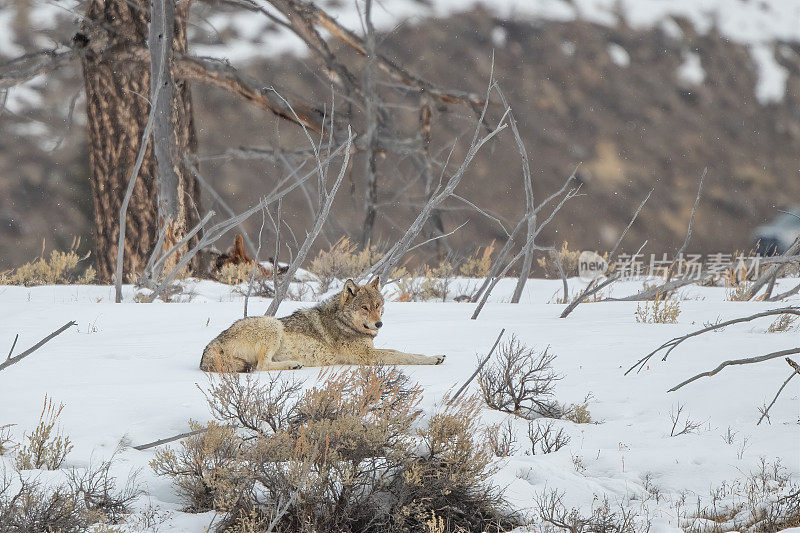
[[338, 331]]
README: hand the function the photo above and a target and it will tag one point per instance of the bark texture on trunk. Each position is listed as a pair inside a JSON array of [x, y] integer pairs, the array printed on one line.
[[117, 105]]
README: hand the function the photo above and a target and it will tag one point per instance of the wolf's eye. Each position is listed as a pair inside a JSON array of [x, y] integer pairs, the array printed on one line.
[[365, 308]]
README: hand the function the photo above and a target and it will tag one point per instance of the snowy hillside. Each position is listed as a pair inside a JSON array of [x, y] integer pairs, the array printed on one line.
[[128, 372], [757, 24]]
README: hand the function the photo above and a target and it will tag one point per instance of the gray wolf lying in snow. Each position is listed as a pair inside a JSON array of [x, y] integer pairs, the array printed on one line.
[[338, 331]]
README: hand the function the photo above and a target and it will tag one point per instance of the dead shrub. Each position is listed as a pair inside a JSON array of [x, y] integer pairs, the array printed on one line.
[[89, 501], [502, 439], [96, 488], [545, 438], [520, 380], [342, 260], [341, 456], [554, 516], [46, 447], [60, 268], [661, 310]]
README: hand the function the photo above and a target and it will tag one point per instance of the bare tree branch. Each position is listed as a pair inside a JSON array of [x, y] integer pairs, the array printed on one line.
[[387, 263], [256, 263], [322, 215], [690, 228], [733, 362], [17, 358], [217, 198], [167, 440], [772, 272], [123, 211], [29, 66], [671, 344]]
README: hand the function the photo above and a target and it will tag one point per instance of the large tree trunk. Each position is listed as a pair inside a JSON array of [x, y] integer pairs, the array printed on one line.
[[117, 105]]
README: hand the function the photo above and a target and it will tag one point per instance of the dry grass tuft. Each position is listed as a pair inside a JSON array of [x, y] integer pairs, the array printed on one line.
[[45, 448], [660, 310], [578, 413], [479, 263], [61, 268], [783, 323], [236, 273]]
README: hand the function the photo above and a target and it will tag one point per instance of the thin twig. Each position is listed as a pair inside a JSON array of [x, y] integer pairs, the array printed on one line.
[[795, 371], [256, 264], [592, 287], [13, 345], [282, 289]]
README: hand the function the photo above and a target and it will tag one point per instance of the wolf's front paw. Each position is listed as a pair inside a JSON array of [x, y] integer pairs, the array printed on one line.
[[296, 366], [439, 359]]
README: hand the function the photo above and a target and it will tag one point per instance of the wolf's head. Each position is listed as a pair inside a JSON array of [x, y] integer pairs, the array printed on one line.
[[362, 306]]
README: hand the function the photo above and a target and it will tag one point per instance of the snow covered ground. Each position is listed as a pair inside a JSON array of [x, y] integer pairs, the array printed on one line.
[[130, 371]]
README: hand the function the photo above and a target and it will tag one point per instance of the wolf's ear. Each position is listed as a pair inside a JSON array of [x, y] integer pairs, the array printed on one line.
[[376, 283], [350, 289]]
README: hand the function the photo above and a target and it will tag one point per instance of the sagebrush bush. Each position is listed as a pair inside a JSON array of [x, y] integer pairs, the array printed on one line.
[[520, 380], [426, 284], [60, 268], [205, 469], [235, 274], [569, 261], [44, 448], [342, 260], [660, 310], [478, 264], [350, 454]]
